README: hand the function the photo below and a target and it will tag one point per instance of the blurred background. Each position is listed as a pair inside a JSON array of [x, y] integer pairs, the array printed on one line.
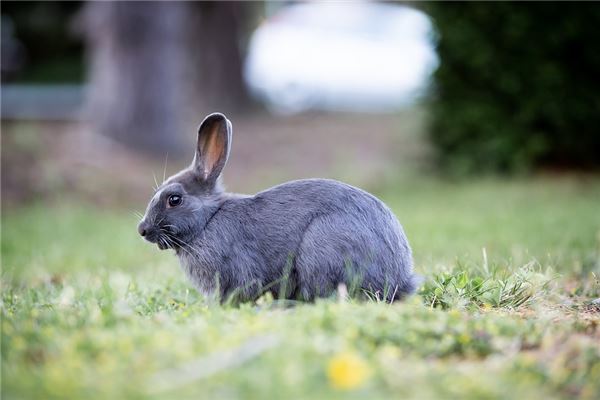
[[98, 96], [477, 123]]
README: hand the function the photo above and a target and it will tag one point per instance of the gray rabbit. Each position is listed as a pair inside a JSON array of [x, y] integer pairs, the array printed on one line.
[[298, 240]]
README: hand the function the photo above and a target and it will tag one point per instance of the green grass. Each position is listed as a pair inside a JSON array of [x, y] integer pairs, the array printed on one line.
[[91, 311]]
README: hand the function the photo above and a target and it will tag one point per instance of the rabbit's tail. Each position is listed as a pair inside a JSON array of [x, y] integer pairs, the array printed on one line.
[[408, 287], [416, 280]]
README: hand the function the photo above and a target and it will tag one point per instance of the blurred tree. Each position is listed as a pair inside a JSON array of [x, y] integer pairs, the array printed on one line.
[[156, 68], [517, 86], [216, 33]]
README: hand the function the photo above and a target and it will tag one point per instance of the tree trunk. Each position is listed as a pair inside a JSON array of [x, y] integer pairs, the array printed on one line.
[[215, 29], [156, 68]]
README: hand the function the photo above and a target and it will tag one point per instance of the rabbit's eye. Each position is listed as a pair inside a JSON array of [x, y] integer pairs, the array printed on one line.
[[174, 200]]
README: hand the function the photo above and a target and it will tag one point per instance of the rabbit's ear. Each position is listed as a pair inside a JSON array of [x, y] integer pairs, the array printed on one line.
[[212, 150]]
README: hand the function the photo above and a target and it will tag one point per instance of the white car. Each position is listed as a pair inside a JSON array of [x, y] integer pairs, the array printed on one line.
[[341, 56]]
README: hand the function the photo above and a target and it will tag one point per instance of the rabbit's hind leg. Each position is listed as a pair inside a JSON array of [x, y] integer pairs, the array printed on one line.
[[326, 253]]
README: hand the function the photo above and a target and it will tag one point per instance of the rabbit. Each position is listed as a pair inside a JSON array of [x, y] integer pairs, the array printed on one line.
[[299, 240]]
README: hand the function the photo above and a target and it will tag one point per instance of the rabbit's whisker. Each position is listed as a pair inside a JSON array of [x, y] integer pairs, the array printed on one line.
[[185, 246], [161, 241], [156, 185], [168, 242], [179, 242], [165, 168]]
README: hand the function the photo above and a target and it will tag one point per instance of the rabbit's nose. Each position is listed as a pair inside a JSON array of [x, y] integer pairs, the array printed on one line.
[[142, 228]]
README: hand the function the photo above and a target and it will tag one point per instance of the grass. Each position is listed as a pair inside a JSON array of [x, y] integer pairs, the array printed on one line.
[[511, 269]]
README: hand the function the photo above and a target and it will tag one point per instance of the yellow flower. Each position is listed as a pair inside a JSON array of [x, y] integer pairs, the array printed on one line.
[[347, 371]]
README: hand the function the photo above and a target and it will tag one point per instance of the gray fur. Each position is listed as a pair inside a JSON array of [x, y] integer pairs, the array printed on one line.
[[298, 240]]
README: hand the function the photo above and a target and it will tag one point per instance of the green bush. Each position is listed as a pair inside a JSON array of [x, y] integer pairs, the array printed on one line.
[[518, 86]]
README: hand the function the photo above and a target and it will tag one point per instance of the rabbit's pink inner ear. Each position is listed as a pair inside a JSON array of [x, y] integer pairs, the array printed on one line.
[[212, 148]]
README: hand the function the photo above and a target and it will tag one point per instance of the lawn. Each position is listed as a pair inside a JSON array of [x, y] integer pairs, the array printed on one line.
[[506, 310]]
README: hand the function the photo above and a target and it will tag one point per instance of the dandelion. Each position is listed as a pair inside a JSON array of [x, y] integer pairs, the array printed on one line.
[[347, 371]]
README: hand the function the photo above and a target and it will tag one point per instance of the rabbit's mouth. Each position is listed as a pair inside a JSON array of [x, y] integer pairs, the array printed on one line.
[[163, 243]]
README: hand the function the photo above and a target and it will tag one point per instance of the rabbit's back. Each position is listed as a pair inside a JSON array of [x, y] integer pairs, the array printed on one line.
[[314, 234]]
